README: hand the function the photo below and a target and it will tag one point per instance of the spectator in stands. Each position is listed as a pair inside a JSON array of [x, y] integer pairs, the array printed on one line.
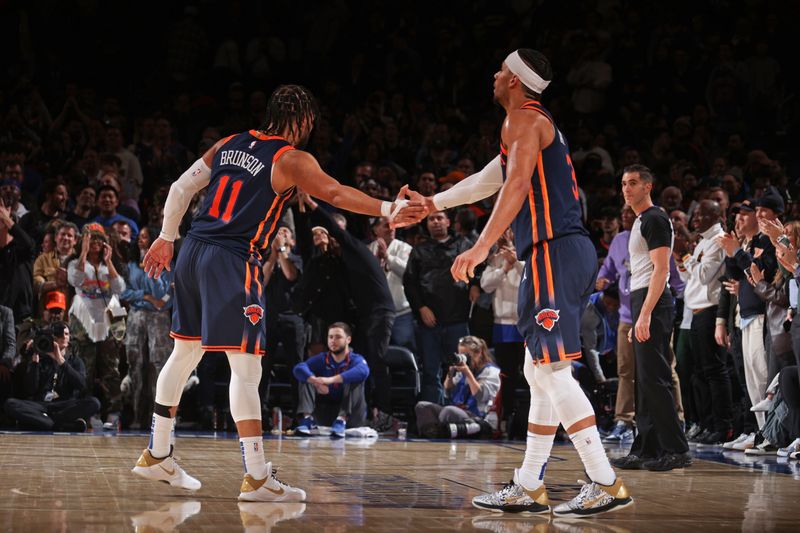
[[8, 351], [599, 325], [85, 203], [107, 202], [54, 207], [54, 383], [147, 340], [332, 386], [97, 287], [16, 264], [440, 305], [616, 269], [755, 248], [501, 279], [374, 310], [11, 193], [700, 267], [392, 254], [49, 270], [130, 169], [471, 387], [282, 271]]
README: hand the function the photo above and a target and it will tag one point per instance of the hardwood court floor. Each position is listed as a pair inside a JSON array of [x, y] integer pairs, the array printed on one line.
[[83, 483]]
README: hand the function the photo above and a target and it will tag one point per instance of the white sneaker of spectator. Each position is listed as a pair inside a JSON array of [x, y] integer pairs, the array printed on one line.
[[763, 406], [730, 445], [746, 444], [790, 449], [765, 448]]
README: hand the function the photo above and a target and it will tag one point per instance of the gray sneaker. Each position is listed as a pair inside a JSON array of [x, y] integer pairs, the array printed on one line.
[[594, 499], [514, 498]]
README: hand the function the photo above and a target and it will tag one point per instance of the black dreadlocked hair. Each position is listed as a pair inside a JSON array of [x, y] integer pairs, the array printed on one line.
[[288, 106]]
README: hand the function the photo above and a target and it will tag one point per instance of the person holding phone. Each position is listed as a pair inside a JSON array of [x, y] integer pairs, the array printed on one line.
[[96, 282]]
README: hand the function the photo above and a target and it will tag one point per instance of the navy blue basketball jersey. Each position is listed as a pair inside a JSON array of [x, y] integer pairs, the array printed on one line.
[[553, 208], [241, 211]]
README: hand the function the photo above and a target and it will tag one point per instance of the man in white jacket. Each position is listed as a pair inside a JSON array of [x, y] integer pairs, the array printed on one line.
[[701, 269], [393, 256]]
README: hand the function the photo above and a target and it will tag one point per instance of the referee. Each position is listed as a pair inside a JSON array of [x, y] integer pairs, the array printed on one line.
[[660, 444]]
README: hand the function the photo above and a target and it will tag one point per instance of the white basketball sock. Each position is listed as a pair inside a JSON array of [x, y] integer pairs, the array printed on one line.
[[160, 435], [590, 448], [537, 451], [253, 456]]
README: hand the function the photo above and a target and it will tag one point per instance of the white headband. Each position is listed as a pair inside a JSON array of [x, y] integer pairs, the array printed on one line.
[[526, 75]]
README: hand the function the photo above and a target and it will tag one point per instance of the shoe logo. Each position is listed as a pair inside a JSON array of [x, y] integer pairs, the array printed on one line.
[[547, 318], [167, 471], [278, 492], [254, 313]]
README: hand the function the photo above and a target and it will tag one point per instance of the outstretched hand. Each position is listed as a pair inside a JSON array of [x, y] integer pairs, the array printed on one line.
[[417, 208], [158, 257]]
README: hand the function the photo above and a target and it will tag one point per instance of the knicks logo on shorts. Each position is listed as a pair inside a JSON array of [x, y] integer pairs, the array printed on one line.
[[254, 313], [547, 318]]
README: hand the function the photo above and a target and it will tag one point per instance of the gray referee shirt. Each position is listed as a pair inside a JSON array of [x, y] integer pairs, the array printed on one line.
[[652, 229]]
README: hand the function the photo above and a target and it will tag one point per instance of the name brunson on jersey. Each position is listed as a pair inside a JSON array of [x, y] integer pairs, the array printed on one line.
[[241, 159]]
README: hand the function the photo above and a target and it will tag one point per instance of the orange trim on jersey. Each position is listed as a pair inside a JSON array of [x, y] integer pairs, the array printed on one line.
[[261, 226], [547, 223], [529, 102], [183, 337], [226, 139], [256, 271], [280, 152], [226, 348], [573, 355], [535, 277], [246, 278], [261, 137], [503, 149], [545, 354], [550, 286], [275, 221], [532, 205]]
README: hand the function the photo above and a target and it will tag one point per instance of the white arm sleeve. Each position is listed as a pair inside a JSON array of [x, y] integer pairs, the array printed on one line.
[[180, 194], [473, 188]]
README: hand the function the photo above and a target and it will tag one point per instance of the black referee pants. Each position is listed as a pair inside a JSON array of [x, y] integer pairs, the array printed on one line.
[[656, 418]]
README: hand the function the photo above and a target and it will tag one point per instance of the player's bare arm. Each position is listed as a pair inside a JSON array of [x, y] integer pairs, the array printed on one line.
[[196, 177], [300, 168], [525, 134]]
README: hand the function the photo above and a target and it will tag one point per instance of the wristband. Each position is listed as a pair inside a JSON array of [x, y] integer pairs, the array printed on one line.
[[165, 237], [386, 209]]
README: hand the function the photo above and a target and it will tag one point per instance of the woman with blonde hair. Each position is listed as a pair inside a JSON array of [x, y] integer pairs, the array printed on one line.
[[471, 386]]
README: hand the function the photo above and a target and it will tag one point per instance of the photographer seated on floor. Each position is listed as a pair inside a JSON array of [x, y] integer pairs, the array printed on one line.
[[55, 377], [471, 386], [332, 386]]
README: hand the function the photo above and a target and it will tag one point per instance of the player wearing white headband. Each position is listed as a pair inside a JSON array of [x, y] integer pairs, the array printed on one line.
[[539, 198]]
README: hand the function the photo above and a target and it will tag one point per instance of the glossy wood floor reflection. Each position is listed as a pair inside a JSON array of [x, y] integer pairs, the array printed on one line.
[[83, 483]]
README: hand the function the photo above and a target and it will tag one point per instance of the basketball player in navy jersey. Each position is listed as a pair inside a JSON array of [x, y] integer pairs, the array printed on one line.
[[539, 198], [219, 297]]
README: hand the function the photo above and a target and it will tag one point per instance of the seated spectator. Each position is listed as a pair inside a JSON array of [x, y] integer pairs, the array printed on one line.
[[599, 329], [107, 203], [332, 386], [54, 382], [16, 263], [96, 283], [471, 386], [49, 272], [147, 340]]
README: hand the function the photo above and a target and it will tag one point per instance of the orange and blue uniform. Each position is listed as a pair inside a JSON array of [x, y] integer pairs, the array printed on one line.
[[219, 296], [560, 260]]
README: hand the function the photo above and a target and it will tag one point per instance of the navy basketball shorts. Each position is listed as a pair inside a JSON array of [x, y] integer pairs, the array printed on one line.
[[558, 279], [219, 299]]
